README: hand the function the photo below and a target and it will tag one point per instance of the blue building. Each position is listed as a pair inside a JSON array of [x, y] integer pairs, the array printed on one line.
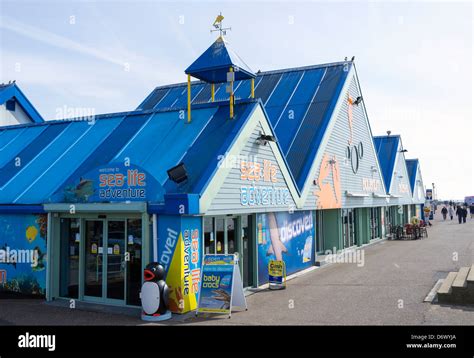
[[271, 165]]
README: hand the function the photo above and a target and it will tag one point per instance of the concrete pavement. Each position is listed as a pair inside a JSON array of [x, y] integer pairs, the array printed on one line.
[[388, 290]]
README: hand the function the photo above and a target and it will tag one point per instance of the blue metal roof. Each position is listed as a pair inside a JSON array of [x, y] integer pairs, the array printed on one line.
[[299, 103], [56, 154], [214, 63], [387, 148], [412, 167], [12, 91]]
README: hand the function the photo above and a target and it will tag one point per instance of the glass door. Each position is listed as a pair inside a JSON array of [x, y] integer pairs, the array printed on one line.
[[70, 239], [352, 232], [105, 266], [228, 235], [348, 227], [94, 258], [115, 258], [374, 223], [248, 244]]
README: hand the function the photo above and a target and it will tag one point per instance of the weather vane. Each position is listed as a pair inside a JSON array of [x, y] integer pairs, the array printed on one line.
[[218, 25]]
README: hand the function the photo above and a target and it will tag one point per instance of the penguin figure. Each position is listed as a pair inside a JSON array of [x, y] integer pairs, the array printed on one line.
[[155, 293]]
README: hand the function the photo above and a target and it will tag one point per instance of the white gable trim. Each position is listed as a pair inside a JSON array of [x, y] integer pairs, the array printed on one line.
[[219, 177], [328, 133], [405, 174]]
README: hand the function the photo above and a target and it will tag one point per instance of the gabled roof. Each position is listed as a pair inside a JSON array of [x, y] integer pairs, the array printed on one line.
[[387, 148], [12, 91], [56, 154], [299, 103], [212, 66], [412, 168]]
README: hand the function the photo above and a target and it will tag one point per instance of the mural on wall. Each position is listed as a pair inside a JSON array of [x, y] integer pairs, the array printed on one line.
[[350, 103], [114, 182], [285, 236], [179, 251], [328, 191], [23, 254]]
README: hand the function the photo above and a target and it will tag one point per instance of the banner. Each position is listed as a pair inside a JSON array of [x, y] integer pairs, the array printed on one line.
[[179, 251], [221, 285], [429, 194], [114, 182], [216, 285], [23, 253], [285, 237]]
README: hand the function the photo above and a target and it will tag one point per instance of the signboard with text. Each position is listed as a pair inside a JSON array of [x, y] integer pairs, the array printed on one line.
[[113, 182], [259, 188], [221, 285]]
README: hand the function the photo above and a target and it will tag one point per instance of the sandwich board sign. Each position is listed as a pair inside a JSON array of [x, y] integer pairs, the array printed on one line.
[[276, 274], [221, 286]]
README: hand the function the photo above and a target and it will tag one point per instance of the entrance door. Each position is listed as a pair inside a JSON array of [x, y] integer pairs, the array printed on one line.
[[115, 285], [228, 235], [348, 227], [94, 258], [247, 250], [105, 246], [374, 223]]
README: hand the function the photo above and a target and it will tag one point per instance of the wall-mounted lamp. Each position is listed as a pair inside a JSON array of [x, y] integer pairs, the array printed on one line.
[[178, 174], [388, 133], [403, 151], [358, 100], [264, 139], [373, 169]]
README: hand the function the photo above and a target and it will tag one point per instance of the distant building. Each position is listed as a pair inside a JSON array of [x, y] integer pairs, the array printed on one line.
[[469, 200], [15, 108]]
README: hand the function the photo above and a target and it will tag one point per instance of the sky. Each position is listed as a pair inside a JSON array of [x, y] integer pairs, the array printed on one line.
[[414, 60]]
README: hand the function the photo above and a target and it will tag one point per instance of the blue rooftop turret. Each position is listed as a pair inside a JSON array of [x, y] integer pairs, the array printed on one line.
[[214, 64], [218, 64]]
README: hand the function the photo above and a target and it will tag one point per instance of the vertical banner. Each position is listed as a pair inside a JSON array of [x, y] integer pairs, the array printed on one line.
[[179, 251], [287, 237], [23, 253]]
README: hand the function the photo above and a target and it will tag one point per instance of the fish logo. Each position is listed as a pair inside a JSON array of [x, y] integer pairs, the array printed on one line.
[[31, 233]]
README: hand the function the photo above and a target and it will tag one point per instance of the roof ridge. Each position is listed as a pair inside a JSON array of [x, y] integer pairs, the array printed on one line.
[[269, 72], [131, 113]]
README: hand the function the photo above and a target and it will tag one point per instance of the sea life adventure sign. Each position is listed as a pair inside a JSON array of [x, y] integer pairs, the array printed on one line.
[[113, 182], [259, 188]]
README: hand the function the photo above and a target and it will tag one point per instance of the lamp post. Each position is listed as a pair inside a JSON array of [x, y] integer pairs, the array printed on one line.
[[434, 195]]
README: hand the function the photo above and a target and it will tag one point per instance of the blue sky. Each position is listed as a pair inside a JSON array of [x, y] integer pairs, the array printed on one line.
[[414, 60]]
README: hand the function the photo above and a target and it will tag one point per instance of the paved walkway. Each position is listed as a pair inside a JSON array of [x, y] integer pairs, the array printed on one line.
[[388, 289]]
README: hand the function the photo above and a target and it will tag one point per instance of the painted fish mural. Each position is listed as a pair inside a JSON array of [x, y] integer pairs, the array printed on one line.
[[23, 237]]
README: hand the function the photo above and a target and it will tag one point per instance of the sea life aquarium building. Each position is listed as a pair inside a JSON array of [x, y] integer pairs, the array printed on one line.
[[272, 165]]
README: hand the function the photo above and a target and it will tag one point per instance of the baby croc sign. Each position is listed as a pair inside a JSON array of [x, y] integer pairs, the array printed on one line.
[[114, 182]]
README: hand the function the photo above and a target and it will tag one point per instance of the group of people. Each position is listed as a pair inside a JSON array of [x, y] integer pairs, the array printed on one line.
[[461, 212]]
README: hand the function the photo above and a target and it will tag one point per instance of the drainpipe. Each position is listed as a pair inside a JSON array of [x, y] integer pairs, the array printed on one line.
[[155, 238]]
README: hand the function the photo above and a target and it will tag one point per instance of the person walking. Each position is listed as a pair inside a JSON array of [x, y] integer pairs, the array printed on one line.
[[471, 210], [444, 211], [464, 214], [459, 214], [451, 212]]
